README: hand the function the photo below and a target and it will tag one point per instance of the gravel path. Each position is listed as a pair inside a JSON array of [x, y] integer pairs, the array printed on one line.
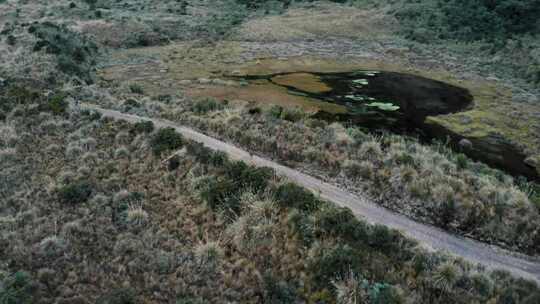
[[431, 237]]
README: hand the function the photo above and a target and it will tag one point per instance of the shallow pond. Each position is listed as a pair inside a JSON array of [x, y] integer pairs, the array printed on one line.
[[377, 99], [400, 103]]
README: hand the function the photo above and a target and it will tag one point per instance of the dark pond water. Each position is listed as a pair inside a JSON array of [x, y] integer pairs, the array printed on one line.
[[385, 100]]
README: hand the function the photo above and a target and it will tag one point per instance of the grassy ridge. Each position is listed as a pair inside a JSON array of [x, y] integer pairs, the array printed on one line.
[[118, 224], [430, 183]]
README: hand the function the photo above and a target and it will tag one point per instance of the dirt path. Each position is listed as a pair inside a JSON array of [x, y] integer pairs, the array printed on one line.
[[429, 236]]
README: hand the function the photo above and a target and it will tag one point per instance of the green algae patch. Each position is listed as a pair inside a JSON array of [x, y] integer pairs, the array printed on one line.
[[384, 106]]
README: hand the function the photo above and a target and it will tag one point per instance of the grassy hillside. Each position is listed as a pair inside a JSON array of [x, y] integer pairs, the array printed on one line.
[[96, 212], [430, 183], [100, 211]]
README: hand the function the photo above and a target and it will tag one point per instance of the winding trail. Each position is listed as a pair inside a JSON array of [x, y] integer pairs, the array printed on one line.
[[429, 236]]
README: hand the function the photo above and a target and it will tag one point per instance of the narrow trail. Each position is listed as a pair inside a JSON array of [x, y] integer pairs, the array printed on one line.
[[430, 237]]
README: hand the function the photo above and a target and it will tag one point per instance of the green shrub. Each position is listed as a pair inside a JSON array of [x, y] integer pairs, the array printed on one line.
[[533, 73], [58, 104], [334, 262], [248, 177], [11, 40], [275, 112], [220, 194], [207, 105], [15, 95], [205, 155], [132, 103], [92, 115], [219, 158], [146, 126], [292, 114], [278, 292], [118, 296], [223, 193], [75, 193], [75, 53], [227, 16], [166, 98], [201, 153], [173, 163], [340, 222], [303, 226], [91, 3], [16, 289], [462, 161], [190, 300], [383, 238], [290, 195], [166, 139], [136, 89], [382, 293]]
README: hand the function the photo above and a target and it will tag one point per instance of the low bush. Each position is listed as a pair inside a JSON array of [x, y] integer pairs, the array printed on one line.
[[339, 222], [143, 127], [200, 152], [224, 193], [131, 103], [330, 263], [292, 114], [136, 89], [290, 195], [247, 177], [11, 40], [16, 288], [58, 104], [278, 292], [383, 238], [206, 155], [220, 194], [75, 193], [75, 53], [275, 112], [119, 296], [166, 139], [207, 105], [173, 163]]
